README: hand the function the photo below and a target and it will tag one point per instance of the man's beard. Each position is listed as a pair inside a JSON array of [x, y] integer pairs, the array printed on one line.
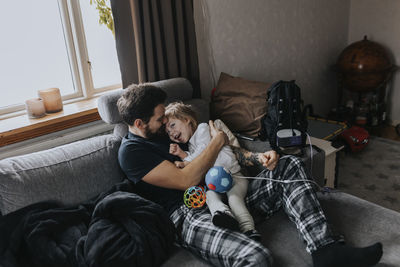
[[160, 132]]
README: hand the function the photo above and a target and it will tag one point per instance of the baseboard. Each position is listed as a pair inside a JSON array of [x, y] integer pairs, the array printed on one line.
[[55, 139]]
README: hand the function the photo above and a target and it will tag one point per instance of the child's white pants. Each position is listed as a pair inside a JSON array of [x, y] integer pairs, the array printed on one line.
[[236, 203]]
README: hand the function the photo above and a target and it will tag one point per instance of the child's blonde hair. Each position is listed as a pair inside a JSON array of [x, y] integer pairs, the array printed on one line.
[[180, 111]]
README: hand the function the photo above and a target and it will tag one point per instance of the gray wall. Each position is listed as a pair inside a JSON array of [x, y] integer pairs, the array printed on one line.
[[269, 40], [380, 20]]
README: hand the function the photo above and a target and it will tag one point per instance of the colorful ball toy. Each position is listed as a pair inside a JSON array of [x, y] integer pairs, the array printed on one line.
[[219, 179], [195, 196]]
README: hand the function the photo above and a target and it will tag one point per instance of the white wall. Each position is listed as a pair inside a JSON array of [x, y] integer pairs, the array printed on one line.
[[380, 21], [269, 40]]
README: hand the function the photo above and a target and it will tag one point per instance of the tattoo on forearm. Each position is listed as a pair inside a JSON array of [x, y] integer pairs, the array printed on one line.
[[245, 157]]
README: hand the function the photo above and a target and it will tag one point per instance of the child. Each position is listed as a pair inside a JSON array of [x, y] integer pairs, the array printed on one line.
[[182, 127]]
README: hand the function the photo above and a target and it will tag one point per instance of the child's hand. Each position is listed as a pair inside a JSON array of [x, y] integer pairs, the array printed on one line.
[[175, 150], [180, 164]]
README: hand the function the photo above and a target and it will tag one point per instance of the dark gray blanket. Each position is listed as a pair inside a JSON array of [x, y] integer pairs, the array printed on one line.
[[118, 228]]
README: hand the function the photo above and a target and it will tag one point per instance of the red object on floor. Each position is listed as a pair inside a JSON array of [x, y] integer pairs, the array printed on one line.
[[356, 137]]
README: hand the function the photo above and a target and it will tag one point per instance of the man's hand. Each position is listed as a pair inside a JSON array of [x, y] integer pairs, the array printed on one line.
[[215, 133], [268, 159], [175, 150], [167, 175]]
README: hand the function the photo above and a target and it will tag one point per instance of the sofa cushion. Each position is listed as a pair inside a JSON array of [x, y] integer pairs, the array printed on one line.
[[201, 107], [71, 173], [177, 89], [240, 103], [361, 222], [107, 107]]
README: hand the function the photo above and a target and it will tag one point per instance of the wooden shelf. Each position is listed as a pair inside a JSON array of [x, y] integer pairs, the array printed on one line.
[[20, 128]]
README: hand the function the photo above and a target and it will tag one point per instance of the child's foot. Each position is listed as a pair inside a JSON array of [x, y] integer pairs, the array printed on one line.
[[253, 234], [339, 254], [225, 219]]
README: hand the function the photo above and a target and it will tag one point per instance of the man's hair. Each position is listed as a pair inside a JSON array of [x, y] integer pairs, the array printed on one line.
[[181, 111], [139, 101]]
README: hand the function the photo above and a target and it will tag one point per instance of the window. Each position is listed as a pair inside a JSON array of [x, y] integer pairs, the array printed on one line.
[[52, 43]]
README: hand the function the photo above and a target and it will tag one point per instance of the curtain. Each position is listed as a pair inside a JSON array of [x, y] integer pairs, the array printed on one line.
[[156, 40]]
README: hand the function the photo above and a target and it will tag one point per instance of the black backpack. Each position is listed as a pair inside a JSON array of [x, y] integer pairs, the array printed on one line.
[[285, 124]]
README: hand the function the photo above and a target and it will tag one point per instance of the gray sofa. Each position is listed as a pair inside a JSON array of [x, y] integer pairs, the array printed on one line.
[[76, 172]]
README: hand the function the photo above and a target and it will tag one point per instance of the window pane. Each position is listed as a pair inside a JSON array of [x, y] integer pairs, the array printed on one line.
[[101, 48], [32, 50]]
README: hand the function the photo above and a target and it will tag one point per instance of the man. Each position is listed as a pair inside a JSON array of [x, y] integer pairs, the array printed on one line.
[[145, 159]]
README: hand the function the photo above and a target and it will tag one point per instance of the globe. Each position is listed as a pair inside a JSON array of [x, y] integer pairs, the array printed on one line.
[[364, 66]]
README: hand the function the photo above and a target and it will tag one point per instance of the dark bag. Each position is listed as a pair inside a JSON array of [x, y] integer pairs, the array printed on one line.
[[285, 123]]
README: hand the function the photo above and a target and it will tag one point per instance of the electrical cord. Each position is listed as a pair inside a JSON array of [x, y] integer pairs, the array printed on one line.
[[323, 189], [281, 181]]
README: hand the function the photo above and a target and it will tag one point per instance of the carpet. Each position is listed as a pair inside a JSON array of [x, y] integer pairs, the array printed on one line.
[[372, 174]]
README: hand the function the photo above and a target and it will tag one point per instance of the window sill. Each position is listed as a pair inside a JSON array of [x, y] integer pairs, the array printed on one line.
[[20, 128]]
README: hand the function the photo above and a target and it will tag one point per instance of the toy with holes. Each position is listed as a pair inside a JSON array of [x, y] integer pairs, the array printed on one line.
[[195, 197], [219, 179]]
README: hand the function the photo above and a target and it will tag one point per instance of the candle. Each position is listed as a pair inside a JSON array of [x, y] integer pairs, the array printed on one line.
[[51, 99], [35, 108]]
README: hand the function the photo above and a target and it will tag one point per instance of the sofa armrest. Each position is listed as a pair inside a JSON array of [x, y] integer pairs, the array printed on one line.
[[69, 174]]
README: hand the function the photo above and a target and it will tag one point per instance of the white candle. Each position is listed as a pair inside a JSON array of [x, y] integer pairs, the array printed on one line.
[[51, 99], [35, 108]]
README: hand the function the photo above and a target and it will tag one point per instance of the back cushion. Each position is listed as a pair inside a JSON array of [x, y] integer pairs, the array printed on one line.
[[177, 89], [71, 173], [240, 104], [201, 107]]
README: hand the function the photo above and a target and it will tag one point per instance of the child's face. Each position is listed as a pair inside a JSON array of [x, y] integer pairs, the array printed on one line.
[[178, 130]]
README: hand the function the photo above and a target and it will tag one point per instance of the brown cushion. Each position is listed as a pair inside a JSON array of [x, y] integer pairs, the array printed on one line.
[[240, 103]]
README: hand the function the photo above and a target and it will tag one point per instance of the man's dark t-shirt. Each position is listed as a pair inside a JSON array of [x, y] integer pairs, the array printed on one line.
[[137, 156]]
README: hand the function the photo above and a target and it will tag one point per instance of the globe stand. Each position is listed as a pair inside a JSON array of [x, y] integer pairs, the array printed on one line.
[[371, 104], [364, 69]]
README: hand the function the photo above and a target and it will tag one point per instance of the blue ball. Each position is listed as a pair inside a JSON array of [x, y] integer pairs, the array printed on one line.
[[219, 179]]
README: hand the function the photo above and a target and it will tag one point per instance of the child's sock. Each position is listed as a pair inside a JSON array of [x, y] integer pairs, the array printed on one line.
[[225, 219], [253, 234], [339, 254]]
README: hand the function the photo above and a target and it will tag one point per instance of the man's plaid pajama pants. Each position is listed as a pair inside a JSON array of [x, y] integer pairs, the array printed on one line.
[[223, 247]]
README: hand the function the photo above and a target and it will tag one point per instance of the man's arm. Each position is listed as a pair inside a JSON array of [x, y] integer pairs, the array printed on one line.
[[267, 159], [167, 175], [245, 157]]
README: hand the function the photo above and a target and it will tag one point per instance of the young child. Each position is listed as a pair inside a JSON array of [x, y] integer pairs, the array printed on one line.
[[182, 127]]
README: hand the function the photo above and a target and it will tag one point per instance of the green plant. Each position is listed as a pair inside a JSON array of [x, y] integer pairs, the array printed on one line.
[[105, 14]]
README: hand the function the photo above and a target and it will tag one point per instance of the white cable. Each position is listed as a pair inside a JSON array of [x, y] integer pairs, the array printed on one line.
[[287, 181], [278, 181], [311, 157]]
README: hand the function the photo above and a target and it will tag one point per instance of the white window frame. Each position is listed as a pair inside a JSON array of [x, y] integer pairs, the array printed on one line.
[[74, 33]]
